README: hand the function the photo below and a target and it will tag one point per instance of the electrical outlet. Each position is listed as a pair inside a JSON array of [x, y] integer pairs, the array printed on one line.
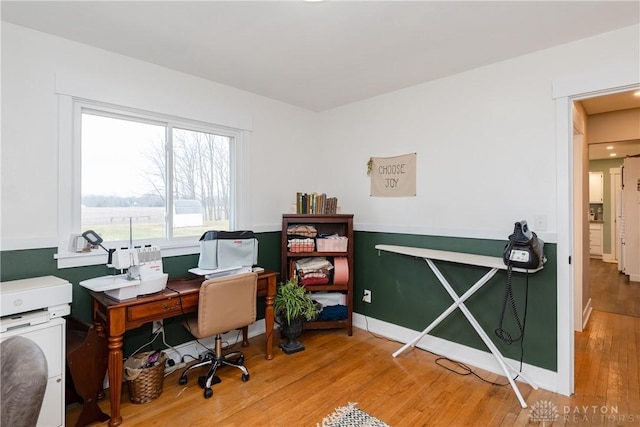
[[367, 296], [157, 327], [540, 222]]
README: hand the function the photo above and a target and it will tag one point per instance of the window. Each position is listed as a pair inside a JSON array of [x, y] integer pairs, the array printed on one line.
[[126, 174], [143, 178]]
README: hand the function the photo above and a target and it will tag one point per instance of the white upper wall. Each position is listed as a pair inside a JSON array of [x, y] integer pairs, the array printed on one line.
[[35, 65], [485, 139], [485, 143]]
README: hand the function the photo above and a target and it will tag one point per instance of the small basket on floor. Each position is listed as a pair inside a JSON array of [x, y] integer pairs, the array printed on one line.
[[144, 379]]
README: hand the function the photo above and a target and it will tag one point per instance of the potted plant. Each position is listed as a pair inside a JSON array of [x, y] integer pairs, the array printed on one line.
[[293, 306]]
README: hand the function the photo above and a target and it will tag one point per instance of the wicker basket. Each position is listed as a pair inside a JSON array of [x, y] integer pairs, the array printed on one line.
[[145, 383], [301, 245]]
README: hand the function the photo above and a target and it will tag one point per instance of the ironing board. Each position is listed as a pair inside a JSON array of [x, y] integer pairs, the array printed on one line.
[[494, 264]]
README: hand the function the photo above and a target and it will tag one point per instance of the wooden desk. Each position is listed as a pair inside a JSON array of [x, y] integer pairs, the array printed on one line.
[[181, 296]]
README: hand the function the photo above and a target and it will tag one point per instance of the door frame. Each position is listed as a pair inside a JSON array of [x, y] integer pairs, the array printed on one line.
[[615, 178], [619, 78], [581, 196]]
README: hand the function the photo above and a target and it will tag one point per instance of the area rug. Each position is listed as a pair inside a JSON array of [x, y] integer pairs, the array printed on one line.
[[350, 416]]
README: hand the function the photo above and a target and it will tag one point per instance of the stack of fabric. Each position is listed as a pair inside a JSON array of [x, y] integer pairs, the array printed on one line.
[[302, 231], [313, 271], [301, 238]]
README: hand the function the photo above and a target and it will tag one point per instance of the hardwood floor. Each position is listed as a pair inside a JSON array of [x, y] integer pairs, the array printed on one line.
[[411, 390], [611, 291]]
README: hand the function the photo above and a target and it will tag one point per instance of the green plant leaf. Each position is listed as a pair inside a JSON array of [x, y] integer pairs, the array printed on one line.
[[292, 300]]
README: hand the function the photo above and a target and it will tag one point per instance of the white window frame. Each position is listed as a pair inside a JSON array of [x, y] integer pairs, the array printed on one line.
[[70, 172]]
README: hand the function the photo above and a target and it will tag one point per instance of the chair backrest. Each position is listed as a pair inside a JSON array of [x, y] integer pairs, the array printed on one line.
[[24, 380], [226, 303]]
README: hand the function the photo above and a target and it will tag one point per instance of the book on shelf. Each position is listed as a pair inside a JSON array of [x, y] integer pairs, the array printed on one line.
[[314, 203]]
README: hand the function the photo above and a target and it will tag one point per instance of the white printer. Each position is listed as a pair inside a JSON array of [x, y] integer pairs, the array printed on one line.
[[32, 301]]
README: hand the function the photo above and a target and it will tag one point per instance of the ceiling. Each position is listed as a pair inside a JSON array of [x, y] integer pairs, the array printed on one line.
[[610, 103], [320, 55]]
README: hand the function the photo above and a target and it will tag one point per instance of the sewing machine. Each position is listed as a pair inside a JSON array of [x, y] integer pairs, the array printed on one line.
[[144, 274]]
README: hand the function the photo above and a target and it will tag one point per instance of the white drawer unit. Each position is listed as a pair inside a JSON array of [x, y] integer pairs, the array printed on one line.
[[595, 239]]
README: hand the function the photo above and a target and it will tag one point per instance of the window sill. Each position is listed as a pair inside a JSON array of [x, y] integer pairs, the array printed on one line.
[[99, 256]]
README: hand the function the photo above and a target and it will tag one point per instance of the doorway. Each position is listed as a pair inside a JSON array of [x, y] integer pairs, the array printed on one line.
[[587, 273], [610, 133], [566, 90]]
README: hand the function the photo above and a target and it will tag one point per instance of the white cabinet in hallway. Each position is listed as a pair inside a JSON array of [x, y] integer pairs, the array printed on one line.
[[596, 186], [595, 238]]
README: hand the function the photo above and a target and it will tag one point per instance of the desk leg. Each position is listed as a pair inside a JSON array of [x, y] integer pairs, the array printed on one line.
[[269, 317], [115, 378]]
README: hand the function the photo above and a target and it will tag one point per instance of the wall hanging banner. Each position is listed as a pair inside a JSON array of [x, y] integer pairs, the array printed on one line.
[[393, 176]]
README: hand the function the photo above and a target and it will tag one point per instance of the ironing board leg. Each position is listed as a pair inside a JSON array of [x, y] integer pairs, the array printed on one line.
[[483, 335], [448, 311], [506, 368], [458, 302]]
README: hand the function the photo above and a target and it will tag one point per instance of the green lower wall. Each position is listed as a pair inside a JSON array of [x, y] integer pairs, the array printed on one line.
[[23, 264], [405, 292]]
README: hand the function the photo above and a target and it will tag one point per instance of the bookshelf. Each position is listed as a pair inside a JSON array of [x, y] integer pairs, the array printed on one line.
[[325, 224]]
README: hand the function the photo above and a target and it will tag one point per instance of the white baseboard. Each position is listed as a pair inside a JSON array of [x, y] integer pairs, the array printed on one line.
[[544, 378]]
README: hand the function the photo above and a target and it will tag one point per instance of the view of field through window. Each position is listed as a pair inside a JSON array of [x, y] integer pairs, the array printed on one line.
[[125, 176]]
